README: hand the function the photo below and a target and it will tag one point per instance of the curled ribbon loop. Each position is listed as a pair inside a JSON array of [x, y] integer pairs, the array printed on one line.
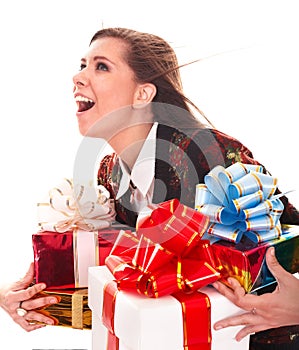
[[68, 207], [166, 254], [239, 200]]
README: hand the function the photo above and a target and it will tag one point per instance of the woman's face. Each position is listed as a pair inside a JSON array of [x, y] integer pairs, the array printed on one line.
[[104, 84]]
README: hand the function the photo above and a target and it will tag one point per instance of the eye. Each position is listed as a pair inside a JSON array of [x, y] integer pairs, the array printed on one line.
[[82, 66], [102, 66]]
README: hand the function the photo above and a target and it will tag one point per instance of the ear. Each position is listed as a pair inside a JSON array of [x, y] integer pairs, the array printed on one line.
[[144, 95]]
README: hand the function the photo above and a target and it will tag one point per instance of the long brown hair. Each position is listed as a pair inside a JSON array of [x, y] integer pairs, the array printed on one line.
[[153, 60]]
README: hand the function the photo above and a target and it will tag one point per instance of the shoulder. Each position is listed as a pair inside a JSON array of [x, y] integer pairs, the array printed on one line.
[[217, 146], [202, 136], [234, 149], [171, 132]]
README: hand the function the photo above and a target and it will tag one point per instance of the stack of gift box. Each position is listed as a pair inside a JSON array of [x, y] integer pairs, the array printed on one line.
[[76, 231], [138, 303], [151, 287], [155, 292], [61, 262]]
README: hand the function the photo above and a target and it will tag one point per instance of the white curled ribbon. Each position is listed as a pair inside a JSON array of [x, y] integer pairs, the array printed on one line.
[[240, 200], [70, 207]]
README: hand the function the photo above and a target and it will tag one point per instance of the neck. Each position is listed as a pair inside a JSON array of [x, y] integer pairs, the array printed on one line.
[[128, 142]]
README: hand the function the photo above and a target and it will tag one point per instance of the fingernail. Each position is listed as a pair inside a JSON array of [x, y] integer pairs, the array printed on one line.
[[50, 322], [216, 285], [272, 251], [217, 327], [53, 301]]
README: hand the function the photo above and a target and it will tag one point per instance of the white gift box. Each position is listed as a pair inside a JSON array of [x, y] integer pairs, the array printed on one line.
[[143, 323]]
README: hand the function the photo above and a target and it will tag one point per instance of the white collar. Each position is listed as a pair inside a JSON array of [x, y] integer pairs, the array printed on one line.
[[143, 171]]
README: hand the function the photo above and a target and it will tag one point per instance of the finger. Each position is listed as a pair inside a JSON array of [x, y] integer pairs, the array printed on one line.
[[235, 294], [250, 329], [253, 323], [39, 317], [29, 326], [238, 320], [239, 291], [224, 290], [275, 268], [29, 292], [37, 303]]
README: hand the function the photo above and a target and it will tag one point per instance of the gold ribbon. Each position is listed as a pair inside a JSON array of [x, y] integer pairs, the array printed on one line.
[[77, 308]]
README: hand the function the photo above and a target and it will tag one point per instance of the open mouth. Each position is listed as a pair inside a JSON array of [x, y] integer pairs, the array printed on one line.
[[84, 103]]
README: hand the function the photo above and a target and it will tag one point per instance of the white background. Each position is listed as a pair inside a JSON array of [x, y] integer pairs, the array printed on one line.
[[247, 86]]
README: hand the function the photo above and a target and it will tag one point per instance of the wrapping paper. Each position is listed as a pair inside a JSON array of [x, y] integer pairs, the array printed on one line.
[[62, 259], [143, 323], [72, 309], [240, 201], [245, 261]]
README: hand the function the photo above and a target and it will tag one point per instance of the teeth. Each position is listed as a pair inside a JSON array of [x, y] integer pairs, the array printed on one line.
[[83, 99]]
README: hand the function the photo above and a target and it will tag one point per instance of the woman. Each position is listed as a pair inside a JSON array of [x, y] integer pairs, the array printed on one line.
[[129, 92], [185, 150]]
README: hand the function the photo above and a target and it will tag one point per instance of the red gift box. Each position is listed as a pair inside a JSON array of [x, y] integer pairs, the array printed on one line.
[[245, 261], [62, 259]]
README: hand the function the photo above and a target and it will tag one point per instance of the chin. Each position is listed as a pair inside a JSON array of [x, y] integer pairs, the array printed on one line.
[[82, 129]]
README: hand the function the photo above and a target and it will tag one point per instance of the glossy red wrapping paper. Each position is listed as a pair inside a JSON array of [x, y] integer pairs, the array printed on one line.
[[246, 261], [55, 256]]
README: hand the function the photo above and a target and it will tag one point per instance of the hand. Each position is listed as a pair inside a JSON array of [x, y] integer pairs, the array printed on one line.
[[270, 310], [21, 294]]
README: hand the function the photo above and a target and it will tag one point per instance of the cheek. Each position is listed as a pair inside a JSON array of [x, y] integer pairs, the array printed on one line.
[[117, 100], [123, 92], [114, 95]]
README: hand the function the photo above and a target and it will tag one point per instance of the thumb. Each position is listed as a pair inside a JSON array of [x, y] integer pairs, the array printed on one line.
[[24, 282], [274, 266]]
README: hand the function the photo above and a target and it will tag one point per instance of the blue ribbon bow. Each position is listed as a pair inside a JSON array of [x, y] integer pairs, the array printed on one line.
[[240, 200]]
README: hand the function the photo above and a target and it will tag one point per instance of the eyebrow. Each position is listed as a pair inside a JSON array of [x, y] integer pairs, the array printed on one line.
[[96, 58]]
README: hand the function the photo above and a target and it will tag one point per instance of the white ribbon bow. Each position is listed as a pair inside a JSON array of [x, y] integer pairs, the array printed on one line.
[[80, 207]]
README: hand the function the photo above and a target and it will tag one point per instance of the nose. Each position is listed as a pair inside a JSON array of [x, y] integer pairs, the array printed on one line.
[[79, 80]]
